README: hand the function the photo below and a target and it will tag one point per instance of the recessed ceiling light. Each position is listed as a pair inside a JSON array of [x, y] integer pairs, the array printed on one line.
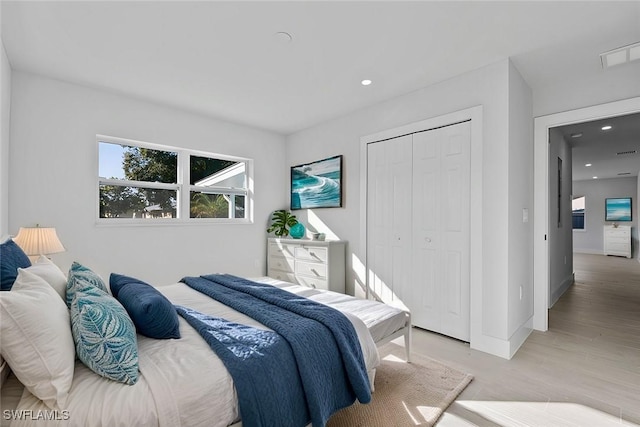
[[366, 82], [607, 127], [595, 177], [588, 165], [576, 135]]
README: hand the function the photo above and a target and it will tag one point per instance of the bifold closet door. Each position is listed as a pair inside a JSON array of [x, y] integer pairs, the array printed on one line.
[[439, 298], [389, 196]]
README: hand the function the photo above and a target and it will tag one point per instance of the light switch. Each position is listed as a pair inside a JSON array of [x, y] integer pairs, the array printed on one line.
[[525, 215]]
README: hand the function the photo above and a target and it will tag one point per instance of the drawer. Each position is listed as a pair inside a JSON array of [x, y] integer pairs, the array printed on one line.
[[315, 283], [618, 232], [311, 253], [618, 246], [312, 269], [281, 263], [282, 249], [282, 275], [617, 240]]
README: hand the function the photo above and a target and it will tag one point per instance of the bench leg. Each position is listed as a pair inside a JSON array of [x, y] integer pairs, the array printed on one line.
[[407, 343]]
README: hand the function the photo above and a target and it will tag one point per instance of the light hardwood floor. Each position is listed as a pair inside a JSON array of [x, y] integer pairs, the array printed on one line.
[[584, 371]]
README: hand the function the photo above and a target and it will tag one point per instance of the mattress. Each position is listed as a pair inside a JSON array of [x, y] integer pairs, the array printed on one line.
[[182, 382], [382, 320]]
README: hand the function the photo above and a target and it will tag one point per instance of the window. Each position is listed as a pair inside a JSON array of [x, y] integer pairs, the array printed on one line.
[[577, 212], [139, 181]]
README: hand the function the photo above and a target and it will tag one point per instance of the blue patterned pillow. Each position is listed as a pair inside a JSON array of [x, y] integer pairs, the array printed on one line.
[[151, 312], [82, 279], [12, 257], [105, 336]]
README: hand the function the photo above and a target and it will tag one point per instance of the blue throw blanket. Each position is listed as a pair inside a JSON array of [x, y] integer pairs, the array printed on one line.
[[323, 340], [255, 359]]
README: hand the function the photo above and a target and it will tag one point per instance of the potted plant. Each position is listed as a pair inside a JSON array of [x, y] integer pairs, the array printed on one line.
[[281, 221]]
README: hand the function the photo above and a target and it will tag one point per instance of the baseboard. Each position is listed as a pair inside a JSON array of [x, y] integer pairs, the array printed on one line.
[[588, 251], [566, 284], [520, 336]]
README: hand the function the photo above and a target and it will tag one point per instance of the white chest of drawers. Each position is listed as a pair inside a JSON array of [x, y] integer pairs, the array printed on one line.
[[312, 263], [617, 240]]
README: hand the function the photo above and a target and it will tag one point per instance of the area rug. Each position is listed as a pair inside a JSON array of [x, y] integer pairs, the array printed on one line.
[[406, 394]]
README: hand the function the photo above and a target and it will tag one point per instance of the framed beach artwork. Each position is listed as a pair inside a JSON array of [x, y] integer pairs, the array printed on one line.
[[317, 184], [618, 209]]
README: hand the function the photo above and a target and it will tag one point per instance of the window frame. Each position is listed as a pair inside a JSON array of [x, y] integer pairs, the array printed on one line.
[[182, 186]]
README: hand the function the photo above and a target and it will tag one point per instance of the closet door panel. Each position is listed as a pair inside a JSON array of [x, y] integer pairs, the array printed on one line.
[[426, 299], [455, 230], [389, 219], [441, 217]]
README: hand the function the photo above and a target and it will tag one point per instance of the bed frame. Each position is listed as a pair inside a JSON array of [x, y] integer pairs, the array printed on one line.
[[406, 332]]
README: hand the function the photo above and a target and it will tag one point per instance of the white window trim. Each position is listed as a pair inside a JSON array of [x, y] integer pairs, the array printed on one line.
[[182, 187]]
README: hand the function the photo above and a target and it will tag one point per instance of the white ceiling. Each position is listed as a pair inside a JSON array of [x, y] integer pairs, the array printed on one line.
[[600, 148], [221, 58]]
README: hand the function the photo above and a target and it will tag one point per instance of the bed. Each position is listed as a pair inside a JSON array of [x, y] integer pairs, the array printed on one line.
[[182, 382]]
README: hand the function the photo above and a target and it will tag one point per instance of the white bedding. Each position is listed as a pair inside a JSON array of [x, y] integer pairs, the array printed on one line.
[[382, 320], [182, 382]]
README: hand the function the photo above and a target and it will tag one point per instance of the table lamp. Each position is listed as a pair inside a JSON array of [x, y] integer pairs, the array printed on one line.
[[36, 241]]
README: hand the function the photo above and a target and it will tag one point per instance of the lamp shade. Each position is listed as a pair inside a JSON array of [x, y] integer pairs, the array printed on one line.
[[39, 241]]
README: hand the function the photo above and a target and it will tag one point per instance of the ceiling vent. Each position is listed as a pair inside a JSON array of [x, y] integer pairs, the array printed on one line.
[[621, 55], [626, 153], [624, 173]]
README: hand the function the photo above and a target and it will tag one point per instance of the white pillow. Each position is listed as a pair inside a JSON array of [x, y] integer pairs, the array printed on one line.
[[47, 270], [36, 339]]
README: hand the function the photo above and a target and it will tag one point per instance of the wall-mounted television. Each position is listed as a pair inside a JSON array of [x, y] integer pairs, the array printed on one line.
[[618, 209], [317, 184]]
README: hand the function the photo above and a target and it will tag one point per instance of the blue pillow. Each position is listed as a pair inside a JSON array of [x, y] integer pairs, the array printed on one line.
[[117, 281], [12, 257], [105, 336], [81, 278], [151, 312]]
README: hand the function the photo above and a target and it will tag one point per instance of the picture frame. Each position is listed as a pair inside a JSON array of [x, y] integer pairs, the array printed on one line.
[[618, 209], [317, 184]]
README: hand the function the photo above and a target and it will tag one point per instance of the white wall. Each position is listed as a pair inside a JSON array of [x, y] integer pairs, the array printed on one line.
[[560, 236], [613, 84], [520, 281], [489, 87], [53, 145], [5, 121], [591, 240]]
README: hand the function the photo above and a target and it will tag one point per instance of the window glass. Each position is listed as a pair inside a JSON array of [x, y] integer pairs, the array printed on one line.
[[140, 181], [137, 163], [577, 212], [218, 187], [118, 201]]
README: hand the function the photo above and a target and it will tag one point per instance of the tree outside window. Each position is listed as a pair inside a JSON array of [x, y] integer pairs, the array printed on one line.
[[146, 182]]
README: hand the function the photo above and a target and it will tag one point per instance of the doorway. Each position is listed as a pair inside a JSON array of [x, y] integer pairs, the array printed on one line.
[[543, 219]]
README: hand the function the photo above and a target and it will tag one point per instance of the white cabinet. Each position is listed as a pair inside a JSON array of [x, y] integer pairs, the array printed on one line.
[[617, 240], [317, 264]]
